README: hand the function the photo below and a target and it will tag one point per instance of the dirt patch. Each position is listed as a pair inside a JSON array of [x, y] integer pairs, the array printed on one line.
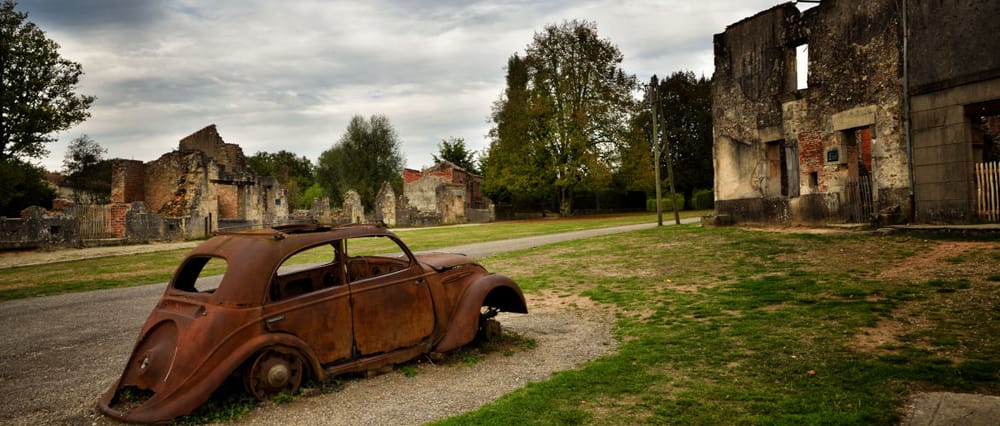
[[943, 260]]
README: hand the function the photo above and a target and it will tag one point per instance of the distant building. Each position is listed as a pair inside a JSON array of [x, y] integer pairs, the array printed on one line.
[[206, 182], [449, 192]]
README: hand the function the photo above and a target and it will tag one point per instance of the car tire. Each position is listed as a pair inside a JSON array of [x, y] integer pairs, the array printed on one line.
[[274, 371], [489, 331]]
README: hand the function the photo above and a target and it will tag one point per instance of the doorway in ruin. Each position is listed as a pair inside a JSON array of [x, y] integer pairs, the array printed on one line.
[[858, 194], [777, 166], [984, 118]]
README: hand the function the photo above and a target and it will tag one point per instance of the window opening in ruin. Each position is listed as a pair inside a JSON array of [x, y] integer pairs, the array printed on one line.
[[813, 180], [801, 66]]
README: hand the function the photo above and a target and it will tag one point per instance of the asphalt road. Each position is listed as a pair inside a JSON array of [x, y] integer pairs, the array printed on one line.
[[58, 353]]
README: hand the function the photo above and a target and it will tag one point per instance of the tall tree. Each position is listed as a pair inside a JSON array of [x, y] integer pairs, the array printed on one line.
[[514, 163], [453, 150], [576, 103], [685, 104], [367, 155], [294, 172], [87, 171], [38, 96]]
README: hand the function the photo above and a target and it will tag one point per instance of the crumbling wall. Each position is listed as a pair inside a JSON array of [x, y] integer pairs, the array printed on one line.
[[229, 156], [854, 71], [127, 181], [385, 205], [353, 208], [448, 191]]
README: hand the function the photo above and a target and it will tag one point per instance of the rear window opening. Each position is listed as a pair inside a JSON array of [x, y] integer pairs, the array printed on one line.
[[201, 274]]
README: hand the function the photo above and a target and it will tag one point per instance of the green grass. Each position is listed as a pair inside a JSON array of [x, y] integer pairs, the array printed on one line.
[[726, 326], [729, 326], [151, 268]]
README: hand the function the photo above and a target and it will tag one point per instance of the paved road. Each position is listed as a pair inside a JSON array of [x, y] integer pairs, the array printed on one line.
[[58, 353]]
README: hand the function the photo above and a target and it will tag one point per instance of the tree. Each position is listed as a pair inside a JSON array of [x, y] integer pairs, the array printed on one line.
[[294, 172], [87, 172], [513, 162], [453, 151], [573, 110], [38, 96], [367, 155], [685, 105], [23, 186]]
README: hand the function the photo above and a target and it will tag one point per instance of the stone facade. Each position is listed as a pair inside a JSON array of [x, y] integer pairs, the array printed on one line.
[[206, 182], [838, 149], [204, 186], [446, 194]]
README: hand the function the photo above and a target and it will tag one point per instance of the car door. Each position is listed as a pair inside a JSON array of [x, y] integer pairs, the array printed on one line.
[[313, 303], [392, 305]]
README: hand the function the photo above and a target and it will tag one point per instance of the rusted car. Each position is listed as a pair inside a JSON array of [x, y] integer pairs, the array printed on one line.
[[274, 307]]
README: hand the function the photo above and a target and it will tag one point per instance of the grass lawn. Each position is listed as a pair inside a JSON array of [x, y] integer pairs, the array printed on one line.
[[732, 326], [719, 325], [158, 267]]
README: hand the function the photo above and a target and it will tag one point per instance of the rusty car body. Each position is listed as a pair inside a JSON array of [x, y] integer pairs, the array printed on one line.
[[273, 323]]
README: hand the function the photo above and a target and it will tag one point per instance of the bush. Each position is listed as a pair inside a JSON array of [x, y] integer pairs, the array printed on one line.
[[25, 186], [703, 199], [665, 203]]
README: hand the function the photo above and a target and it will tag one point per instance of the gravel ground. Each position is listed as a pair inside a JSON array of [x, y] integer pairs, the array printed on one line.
[[564, 340]]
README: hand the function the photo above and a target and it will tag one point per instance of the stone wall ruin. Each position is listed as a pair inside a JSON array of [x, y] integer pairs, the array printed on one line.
[[838, 149]]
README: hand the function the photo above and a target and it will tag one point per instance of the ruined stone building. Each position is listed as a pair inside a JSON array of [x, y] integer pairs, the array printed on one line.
[[899, 104], [203, 186], [445, 193], [206, 184]]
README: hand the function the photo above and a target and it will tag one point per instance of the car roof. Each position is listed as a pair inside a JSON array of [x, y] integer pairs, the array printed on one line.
[[252, 256]]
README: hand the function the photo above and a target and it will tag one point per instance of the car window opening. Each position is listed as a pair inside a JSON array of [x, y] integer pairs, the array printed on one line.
[[201, 274]]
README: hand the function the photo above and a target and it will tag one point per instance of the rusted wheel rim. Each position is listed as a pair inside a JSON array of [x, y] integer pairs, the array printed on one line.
[[490, 330], [274, 371]]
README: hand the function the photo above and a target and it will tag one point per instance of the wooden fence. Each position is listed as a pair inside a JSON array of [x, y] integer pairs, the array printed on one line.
[[988, 191], [94, 221]]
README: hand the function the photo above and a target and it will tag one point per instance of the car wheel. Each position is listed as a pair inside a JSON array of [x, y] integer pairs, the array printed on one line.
[[489, 331], [274, 371]]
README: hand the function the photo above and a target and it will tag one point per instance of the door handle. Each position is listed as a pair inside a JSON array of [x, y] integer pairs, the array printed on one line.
[[273, 320]]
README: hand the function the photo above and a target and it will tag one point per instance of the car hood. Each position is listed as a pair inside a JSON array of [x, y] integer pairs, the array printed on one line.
[[444, 261]]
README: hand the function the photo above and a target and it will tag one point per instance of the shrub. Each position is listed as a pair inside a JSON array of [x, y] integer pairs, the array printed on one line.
[[703, 199], [666, 203]]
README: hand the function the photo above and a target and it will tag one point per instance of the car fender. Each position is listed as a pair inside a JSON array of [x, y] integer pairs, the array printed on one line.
[[186, 397], [492, 290]]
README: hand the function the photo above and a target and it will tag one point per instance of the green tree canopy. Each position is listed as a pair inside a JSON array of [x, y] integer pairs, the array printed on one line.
[[367, 155], [569, 108], [453, 150], [294, 172], [87, 171], [38, 96], [23, 186], [684, 103]]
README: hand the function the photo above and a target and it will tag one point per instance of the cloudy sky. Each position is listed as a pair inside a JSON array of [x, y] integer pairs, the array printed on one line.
[[289, 75]]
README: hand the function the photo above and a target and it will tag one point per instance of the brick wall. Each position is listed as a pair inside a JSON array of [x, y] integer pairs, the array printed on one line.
[[127, 181]]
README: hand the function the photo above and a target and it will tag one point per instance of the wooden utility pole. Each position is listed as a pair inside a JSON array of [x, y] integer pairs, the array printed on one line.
[[656, 149], [670, 175]]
